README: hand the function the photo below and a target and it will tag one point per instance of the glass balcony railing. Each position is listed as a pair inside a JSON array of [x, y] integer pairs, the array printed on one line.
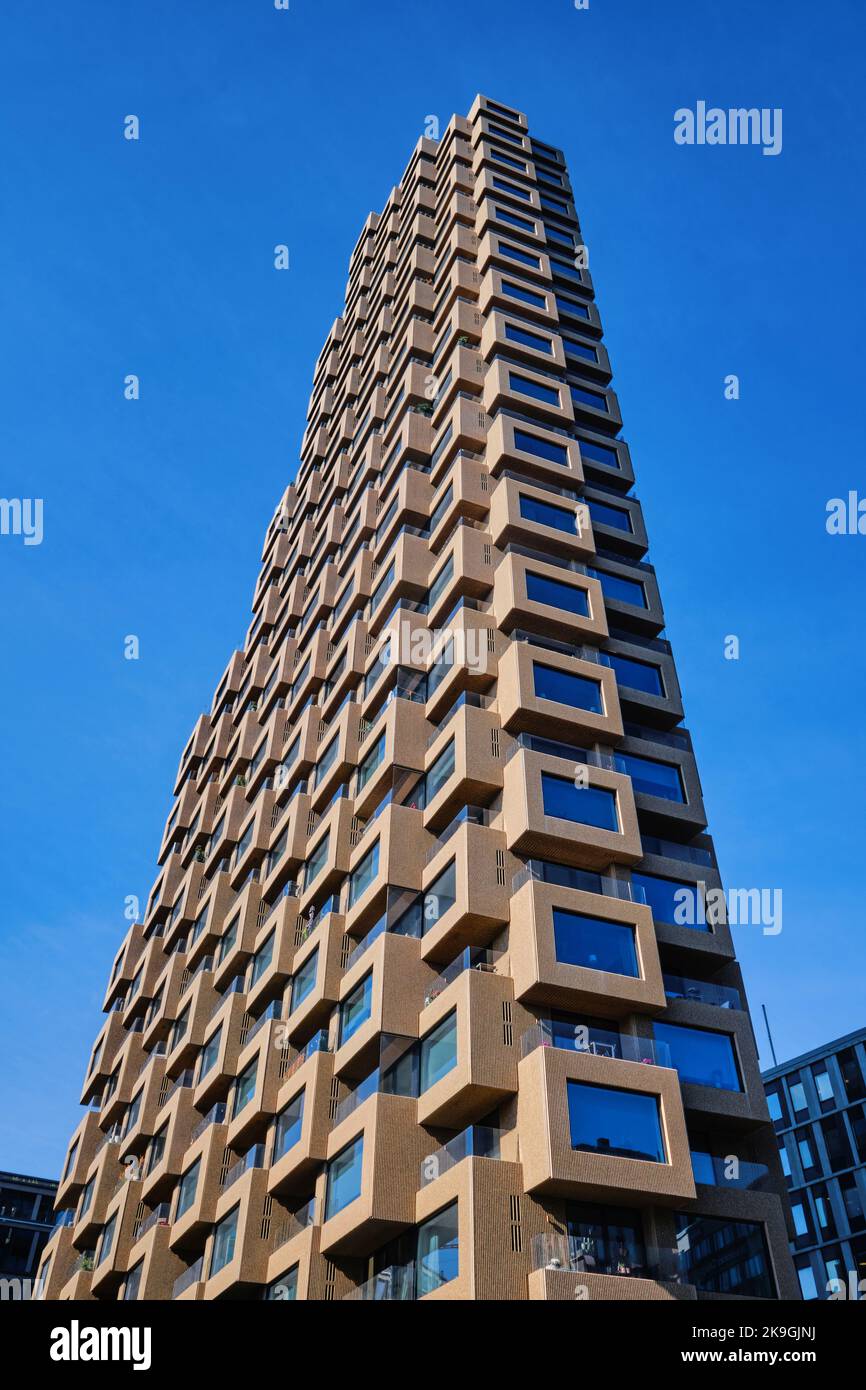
[[702, 992], [318, 1043], [215, 1116], [188, 1278], [472, 958], [396, 1284], [600, 1042], [293, 1224], [158, 1217], [364, 945], [728, 1172], [557, 1251], [564, 876], [467, 815], [253, 1158], [478, 1141], [274, 1010]]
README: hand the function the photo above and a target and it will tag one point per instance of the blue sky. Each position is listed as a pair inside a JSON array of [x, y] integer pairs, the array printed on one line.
[[155, 257]]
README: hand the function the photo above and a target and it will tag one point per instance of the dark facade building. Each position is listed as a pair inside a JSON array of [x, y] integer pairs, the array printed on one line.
[[26, 1220], [818, 1106], [413, 1011]]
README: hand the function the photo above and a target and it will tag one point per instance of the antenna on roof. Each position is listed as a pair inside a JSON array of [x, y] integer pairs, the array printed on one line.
[[769, 1034]]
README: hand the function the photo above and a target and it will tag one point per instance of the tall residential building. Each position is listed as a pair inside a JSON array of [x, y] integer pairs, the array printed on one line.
[[26, 1220], [414, 1010], [818, 1106]]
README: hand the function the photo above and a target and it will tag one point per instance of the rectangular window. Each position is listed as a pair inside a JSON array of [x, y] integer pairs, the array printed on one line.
[[317, 861], [605, 515], [287, 1129], [530, 340], [652, 778], [728, 1257], [613, 586], [525, 387], [599, 453], [505, 187], [565, 688], [525, 296], [438, 1251], [439, 773], [209, 1053], [344, 1178], [576, 349], [372, 761], [671, 901], [133, 1283], [626, 1124], [304, 981], [361, 878], [513, 220], [441, 582], [700, 1058], [583, 805], [571, 306], [285, 1289], [540, 448], [186, 1189], [547, 514], [515, 254], [223, 1251], [356, 1008], [245, 1087], [262, 959], [594, 943], [327, 759], [439, 1052], [636, 675], [554, 594], [107, 1240], [381, 588], [580, 395]]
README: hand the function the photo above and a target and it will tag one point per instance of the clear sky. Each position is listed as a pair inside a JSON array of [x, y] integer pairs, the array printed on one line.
[[155, 257]]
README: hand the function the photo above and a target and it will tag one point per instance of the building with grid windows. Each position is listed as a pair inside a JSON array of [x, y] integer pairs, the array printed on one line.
[[415, 1009], [818, 1106], [26, 1219]]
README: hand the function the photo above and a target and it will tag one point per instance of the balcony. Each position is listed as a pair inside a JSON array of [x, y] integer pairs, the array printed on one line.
[[569, 1267], [702, 992], [396, 1284], [192, 1276], [476, 1141]]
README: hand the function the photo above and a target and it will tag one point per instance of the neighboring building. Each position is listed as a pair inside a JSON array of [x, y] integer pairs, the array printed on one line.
[[412, 1012], [818, 1106], [26, 1219]]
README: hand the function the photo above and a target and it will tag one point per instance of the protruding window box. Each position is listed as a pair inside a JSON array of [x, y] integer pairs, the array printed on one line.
[[544, 598], [558, 696], [552, 1166], [467, 761], [298, 1137], [575, 950], [383, 992], [525, 514], [466, 891], [545, 816], [481, 1056], [384, 1174]]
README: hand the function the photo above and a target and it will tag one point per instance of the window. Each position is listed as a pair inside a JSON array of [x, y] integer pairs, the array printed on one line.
[[554, 594], [837, 1143], [606, 1240], [513, 220], [304, 981], [784, 1160], [798, 1097], [548, 514], [582, 805], [284, 1289], [565, 688], [439, 773], [430, 906], [379, 592], [505, 187], [86, 1199], [438, 1251], [671, 901], [317, 860], [824, 1086], [624, 1123], [262, 959], [636, 675], [513, 253], [133, 1283], [439, 1052], [613, 586], [245, 1088], [223, 1251], [526, 387], [157, 1149], [441, 582], [610, 516], [530, 340], [356, 1008], [719, 1256], [107, 1240], [808, 1286], [372, 761], [599, 453], [287, 1129], [651, 777], [344, 1178], [700, 1057], [326, 761], [594, 943], [186, 1190], [580, 395], [541, 448], [575, 349], [361, 877], [526, 296], [228, 939], [209, 1053]]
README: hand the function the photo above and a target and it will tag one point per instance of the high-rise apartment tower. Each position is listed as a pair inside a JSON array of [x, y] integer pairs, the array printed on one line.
[[415, 1009]]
